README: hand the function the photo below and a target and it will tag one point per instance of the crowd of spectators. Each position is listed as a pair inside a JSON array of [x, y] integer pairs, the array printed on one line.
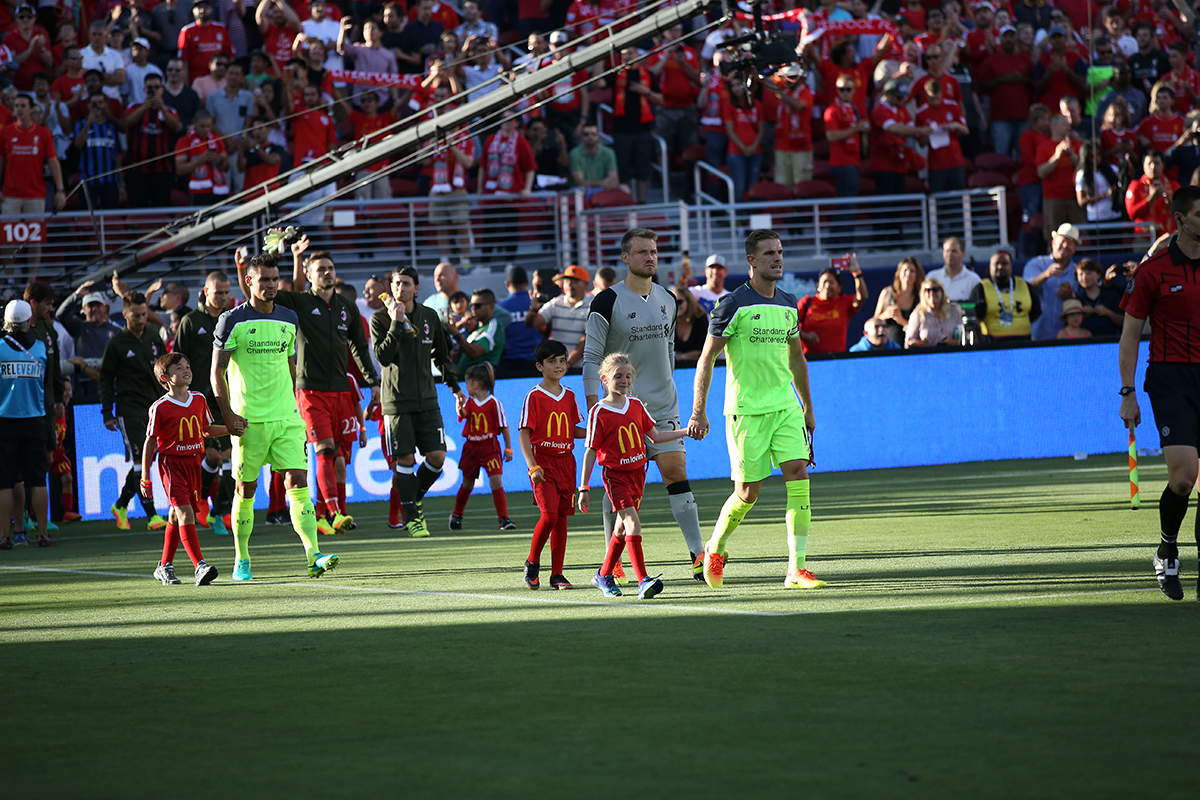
[[208, 97]]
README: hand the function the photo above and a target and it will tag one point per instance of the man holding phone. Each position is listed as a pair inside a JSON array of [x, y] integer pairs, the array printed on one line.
[[825, 316]]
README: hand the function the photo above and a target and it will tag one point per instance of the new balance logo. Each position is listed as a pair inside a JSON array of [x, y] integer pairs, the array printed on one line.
[[632, 315], [757, 316], [316, 312]]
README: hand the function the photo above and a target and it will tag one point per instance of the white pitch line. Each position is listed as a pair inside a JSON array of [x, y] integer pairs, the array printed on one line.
[[555, 600]]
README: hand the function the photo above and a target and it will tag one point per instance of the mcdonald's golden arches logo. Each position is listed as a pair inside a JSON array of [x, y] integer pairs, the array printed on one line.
[[479, 422], [635, 437], [558, 423], [194, 428]]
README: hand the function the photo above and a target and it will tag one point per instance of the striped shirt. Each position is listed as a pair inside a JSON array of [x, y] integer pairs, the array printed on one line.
[[99, 155], [567, 323]]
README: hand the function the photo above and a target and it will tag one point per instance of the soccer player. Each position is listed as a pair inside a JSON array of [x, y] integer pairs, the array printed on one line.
[[179, 421], [757, 326], [194, 339], [617, 429], [256, 344], [1164, 291], [327, 323], [127, 388], [409, 339], [637, 317], [549, 427], [485, 419]]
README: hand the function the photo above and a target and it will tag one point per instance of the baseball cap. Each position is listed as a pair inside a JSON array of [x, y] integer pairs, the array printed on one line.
[[573, 271], [792, 71], [985, 4], [1007, 29], [1069, 231], [559, 37], [715, 260], [142, 42], [25, 9], [17, 311], [893, 87], [94, 297]]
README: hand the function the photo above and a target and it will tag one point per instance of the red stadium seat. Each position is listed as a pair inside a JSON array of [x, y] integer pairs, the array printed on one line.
[[986, 179], [866, 186], [768, 191], [814, 190], [403, 188], [996, 162], [611, 198], [821, 170], [913, 185]]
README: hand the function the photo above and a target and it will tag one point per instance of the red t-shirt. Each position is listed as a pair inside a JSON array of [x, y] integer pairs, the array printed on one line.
[[445, 14], [828, 319], [1110, 139], [710, 117], [1161, 131], [1059, 86], [1010, 101], [860, 73], [564, 95], [746, 122], [1028, 146], [844, 152], [950, 89], [793, 129], [977, 46], [197, 45], [1059, 184], [23, 77], [277, 42], [64, 88], [26, 152], [483, 420], [949, 111], [888, 149], [205, 178], [365, 126], [551, 421], [313, 135], [619, 437], [583, 18], [1189, 79], [179, 427], [677, 89], [1143, 204], [1166, 292], [500, 176]]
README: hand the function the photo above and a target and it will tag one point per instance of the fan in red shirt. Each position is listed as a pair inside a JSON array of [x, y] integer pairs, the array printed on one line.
[[935, 59], [200, 155], [1117, 140], [203, 39], [982, 41], [744, 125], [793, 126], [1162, 129], [583, 18], [825, 316], [677, 68], [279, 26], [1057, 159], [1182, 79], [1007, 76], [843, 62], [261, 161], [842, 128], [1148, 199], [313, 129], [366, 122], [30, 46], [891, 125], [548, 430], [507, 173], [944, 118], [68, 87], [1059, 72], [442, 12], [179, 421], [617, 429], [26, 150]]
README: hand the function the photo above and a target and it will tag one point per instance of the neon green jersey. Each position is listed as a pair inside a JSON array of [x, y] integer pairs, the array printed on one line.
[[259, 375], [758, 379]]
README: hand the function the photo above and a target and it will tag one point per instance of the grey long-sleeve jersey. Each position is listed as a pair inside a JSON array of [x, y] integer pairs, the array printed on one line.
[[621, 320]]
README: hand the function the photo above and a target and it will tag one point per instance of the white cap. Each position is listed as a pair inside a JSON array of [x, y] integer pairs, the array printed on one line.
[[1069, 231], [715, 260], [17, 311], [143, 42], [94, 297], [559, 37]]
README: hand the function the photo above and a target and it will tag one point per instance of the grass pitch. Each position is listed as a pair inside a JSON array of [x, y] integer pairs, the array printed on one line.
[[990, 630]]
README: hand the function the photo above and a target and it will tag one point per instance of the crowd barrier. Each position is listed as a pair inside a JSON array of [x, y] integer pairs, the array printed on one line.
[[873, 412]]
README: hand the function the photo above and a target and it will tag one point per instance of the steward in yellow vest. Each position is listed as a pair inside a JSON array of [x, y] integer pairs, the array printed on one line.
[[1005, 306]]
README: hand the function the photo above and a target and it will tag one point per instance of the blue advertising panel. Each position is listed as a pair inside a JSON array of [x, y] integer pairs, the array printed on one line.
[[872, 413]]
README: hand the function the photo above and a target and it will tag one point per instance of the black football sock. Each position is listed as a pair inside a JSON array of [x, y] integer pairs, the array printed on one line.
[[1171, 510], [406, 487], [426, 476]]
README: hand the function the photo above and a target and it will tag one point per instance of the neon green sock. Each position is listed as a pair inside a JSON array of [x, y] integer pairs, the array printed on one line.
[[243, 525], [304, 520], [799, 520], [732, 514]]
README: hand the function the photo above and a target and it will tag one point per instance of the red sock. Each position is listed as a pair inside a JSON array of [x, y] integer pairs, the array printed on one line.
[[464, 494], [191, 543], [501, 503], [558, 546], [170, 543], [616, 546], [327, 480], [541, 533], [394, 507], [214, 486], [342, 496], [277, 496], [319, 505], [68, 501], [636, 560]]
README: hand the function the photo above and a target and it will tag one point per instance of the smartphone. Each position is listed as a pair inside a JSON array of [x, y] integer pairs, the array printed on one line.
[[840, 262]]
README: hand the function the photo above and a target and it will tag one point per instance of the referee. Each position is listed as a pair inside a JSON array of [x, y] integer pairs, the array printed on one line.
[[1166, 290]]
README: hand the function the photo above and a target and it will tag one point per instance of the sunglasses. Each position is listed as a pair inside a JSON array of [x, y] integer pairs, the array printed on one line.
[[845, 89], [932, 290], [174, 69]]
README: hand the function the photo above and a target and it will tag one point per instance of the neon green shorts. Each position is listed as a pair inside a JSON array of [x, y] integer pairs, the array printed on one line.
[[279, 443], [760, 442]]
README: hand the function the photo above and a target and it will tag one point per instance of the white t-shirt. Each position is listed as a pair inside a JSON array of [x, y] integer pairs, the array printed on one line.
[[958, 288], [135, 81], [327, 31], [707, 297], [1102, 209], [108, 61]]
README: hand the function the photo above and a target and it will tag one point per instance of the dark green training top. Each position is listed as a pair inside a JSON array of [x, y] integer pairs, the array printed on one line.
[[325, 329], [195, 340], [406, 353]]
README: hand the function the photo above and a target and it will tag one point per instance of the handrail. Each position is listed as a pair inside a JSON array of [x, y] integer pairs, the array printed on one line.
[[703, 195]]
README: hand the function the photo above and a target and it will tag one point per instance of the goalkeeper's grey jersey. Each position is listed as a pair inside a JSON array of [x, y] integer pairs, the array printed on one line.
[[621, 320]]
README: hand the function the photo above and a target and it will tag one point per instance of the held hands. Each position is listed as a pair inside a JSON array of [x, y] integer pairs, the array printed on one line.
[[698, 426], [236, 425]]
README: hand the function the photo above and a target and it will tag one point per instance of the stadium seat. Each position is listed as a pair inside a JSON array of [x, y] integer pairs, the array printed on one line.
[[610, 198], [986, 179], [913, 185], [821, 170], [403, 188], [814, 190], [180, 199], [767, 191], [597, 96], [996, 162], [866, 186], [510, 37]]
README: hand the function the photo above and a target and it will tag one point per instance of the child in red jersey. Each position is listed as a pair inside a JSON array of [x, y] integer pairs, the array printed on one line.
[[617, 429], [179, 421], [60, 465], [549, 427], [485, 419]]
